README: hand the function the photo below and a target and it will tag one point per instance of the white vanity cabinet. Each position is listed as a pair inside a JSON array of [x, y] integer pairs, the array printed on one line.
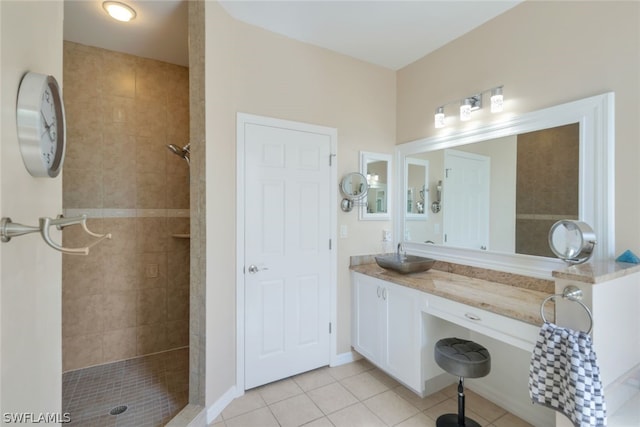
[[387, 328]]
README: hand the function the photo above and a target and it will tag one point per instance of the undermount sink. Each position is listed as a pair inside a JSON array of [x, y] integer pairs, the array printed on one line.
[[405, 264]]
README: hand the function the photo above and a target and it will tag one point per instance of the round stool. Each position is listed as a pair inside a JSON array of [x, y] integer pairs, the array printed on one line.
[[465, 359]]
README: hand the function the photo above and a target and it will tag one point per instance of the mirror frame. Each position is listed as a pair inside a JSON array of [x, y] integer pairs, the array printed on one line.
[[596, 119], [365, 158]]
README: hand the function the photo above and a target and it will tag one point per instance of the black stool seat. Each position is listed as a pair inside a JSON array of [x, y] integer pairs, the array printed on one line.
[[462, 358]]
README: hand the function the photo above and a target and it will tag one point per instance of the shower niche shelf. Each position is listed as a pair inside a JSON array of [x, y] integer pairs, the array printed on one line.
[[181, 236]]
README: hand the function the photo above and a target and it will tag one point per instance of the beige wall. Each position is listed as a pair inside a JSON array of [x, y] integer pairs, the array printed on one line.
[[31, 377], [130, 295], [545, 53], [253, 71]]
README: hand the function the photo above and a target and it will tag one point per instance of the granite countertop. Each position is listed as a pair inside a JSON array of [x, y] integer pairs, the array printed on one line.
[[595, 272], [508, 300]]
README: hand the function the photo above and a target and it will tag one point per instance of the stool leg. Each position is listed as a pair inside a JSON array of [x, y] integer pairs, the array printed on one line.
[[461, 402], [459, 419]]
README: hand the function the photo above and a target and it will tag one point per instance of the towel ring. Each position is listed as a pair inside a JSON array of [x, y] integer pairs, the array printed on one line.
[[572, 293]]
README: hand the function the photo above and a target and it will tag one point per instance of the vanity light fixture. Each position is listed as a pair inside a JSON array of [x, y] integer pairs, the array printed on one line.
[[439, 117], [469, 104], [119, 11], [465, 109], [496, 99]]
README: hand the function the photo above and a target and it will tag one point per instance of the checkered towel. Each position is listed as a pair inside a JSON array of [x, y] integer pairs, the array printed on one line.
[[564, 375]]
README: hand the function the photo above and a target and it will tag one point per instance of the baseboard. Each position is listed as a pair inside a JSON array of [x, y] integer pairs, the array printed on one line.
[[621, 390], [536, 415], [344, 358], [437, 383], [218, 406]]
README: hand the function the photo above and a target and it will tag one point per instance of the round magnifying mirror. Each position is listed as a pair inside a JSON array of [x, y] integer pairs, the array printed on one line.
[[572, 241], [354, 186]]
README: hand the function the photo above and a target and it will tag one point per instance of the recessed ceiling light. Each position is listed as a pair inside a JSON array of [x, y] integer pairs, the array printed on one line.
[[119, 11]]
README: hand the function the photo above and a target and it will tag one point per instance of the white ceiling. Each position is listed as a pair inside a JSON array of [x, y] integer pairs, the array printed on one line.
[[391, 33]]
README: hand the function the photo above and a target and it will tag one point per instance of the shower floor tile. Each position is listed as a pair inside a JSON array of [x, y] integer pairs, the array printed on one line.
[[153, 388]]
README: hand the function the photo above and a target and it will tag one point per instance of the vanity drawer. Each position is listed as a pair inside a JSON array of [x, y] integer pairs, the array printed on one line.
[[503, 328]]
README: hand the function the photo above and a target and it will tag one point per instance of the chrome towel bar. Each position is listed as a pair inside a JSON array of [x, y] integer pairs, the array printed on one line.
[[572, 293]]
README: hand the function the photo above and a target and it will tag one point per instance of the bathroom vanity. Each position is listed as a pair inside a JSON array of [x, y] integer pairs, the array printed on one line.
[[397, 319]]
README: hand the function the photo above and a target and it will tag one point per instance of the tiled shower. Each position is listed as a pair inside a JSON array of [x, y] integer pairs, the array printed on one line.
[[130, 296]]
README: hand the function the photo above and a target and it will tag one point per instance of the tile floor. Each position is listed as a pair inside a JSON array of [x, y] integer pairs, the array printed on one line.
[[154, 388], [353, 395]]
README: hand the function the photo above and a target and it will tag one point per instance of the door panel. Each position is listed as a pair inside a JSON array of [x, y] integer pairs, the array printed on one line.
[[465, 199], [287, 230]]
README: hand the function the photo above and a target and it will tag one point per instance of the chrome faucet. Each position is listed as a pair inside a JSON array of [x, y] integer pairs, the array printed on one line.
[[401, 252]]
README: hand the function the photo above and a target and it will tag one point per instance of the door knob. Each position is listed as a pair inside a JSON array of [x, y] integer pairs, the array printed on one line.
[[253, 269]]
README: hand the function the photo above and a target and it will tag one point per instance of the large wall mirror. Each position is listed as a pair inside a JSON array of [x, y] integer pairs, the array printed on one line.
[[504, 185], [376, 167]]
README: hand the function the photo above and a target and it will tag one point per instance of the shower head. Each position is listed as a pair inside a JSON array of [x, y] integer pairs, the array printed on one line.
[[183, 152]]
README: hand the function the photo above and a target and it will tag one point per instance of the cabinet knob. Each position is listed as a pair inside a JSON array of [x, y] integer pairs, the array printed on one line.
[[472, 316]]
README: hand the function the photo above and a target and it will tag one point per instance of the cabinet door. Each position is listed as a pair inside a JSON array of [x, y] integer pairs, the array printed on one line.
[[402, 330], [366, 322]]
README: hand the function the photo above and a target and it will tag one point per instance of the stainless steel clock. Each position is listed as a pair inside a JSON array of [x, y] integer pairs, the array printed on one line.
[[41, 125]]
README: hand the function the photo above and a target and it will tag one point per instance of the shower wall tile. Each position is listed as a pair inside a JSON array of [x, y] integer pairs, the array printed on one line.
[[83, 118], [88, 152], [82, 188], [119, 109], [152, 306], [177, 199], [155, 262], [178, 304], [82, 315], [151, 78], [118, 74], [120, 190], [128, 297], [151, 338], [178, 333], [83, 276], [152, 235], [151, 154], [82, 64], [151, 117], [81, 351], [176, 95], [119, 344], [119, 310], [123, 236], [121, 272]]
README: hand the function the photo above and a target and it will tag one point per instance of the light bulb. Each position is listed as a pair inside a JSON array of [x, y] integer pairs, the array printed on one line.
[[119, 11], [496, 100], [465, 110], [439, 117]]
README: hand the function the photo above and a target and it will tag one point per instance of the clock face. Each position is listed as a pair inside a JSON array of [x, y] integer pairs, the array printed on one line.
[[41, 125], [49, 135]]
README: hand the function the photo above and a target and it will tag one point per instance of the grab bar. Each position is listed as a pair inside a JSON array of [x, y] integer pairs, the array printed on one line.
[[9, 229], [572, 293]]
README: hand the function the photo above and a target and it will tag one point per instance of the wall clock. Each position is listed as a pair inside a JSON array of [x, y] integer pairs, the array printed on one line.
[[41, 125]]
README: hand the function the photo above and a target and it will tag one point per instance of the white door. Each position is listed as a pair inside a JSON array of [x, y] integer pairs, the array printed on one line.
[[287, 222], [465, 200]]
